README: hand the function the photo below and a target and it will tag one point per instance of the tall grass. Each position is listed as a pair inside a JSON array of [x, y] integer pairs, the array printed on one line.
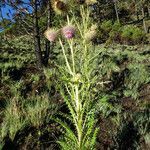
[[19, 113], [13, 120]]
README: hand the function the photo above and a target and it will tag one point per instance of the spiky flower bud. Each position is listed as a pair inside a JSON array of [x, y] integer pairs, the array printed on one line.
[[59, 6], [91, 34], [51, 34], [68, 31]]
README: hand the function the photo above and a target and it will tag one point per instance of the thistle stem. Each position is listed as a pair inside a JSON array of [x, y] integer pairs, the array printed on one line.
[[72, 55], [79, 116], [67, 63]]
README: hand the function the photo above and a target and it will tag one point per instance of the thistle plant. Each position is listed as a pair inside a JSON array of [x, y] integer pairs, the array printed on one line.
[[77, 79]]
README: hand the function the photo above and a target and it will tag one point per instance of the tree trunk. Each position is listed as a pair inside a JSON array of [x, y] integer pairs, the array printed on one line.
[[37, 43], [47, 43], [144, 23], [148, 11], [116, 10]]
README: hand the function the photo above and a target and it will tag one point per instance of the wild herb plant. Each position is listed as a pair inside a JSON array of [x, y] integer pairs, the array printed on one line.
[[77, 79]]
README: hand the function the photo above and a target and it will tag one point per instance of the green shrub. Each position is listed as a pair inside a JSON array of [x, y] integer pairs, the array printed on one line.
[[116, 26], [114, 34], [133, 33], [138, 76], [35, 77], [106, 26], [138, 34], [127, 32]]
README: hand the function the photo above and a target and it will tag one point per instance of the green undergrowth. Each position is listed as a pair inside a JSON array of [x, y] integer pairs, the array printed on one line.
[[120, 33], [122, 72]]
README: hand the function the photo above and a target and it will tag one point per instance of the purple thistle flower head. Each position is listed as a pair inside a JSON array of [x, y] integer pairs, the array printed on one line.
[[68, 31]]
